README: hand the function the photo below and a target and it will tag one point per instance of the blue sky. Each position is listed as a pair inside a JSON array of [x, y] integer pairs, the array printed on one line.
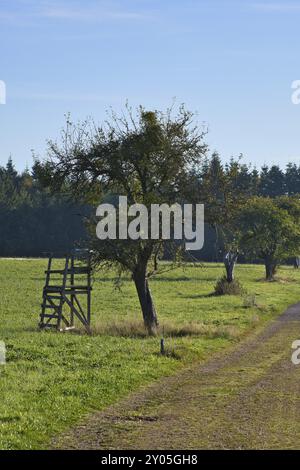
[[231, 61]]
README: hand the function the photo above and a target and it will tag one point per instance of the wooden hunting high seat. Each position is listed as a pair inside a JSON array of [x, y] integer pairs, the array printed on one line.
[[61, 304]]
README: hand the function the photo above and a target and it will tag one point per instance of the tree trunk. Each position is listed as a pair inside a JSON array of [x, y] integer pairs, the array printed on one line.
[[230, 260], [216, 244], [270, 266], [146, 301]]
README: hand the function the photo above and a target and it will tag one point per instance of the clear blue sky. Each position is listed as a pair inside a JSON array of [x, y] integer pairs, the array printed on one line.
[[231, 61]]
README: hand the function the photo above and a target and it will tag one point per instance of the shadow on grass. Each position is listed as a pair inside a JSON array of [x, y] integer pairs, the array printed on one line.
[[196, 296], [277, 279]]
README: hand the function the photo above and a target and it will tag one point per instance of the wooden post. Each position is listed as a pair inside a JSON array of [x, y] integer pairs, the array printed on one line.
[[46, 285], [72, 279], [64, 282], [89, 289]]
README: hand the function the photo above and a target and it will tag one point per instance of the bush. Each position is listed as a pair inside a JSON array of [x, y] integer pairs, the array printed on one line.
[[249, 301], [223, 287]]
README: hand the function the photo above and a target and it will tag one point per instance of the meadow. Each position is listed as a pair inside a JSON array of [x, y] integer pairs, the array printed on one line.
[[52, 380]]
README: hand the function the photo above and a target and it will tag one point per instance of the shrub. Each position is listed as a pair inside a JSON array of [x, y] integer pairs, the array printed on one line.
[[250, 301], [223, 287]]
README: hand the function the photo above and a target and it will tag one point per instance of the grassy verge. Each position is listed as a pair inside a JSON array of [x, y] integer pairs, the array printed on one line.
[[51, 379]]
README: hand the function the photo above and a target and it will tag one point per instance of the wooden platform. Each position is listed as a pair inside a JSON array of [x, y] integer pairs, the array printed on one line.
[[61, 302]]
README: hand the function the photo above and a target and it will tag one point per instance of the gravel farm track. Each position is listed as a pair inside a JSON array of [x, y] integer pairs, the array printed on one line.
[[246, 398]]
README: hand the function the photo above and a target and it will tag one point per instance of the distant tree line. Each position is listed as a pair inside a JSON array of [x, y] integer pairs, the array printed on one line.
[[34, 220]]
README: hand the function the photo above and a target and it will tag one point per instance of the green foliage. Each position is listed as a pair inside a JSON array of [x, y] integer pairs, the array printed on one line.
[[144, 155], [269, 228], [223, 287], [34, 221], [272, 181], [224, 188]]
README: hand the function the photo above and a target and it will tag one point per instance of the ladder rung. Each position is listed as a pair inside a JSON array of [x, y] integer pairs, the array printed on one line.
[[53, 288], [51, 325], [66, 289], [76, 292], [79, 270], [52, 297], [50, 306], [69, 271], [78, 287], [47, 315], [54, 271], [69, 286]]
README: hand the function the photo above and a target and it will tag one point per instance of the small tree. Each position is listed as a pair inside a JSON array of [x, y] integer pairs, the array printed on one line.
[[269, 230], [224, 189], [145, 156]]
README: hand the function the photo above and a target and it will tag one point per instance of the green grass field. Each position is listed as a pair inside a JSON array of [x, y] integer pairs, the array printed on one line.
[[51, 380]]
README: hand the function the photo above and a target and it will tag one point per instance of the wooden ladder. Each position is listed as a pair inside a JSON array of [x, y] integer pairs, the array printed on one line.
[[55, 297]]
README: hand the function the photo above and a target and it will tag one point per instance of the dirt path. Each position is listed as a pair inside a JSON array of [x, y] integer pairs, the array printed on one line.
[[249, 398]]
